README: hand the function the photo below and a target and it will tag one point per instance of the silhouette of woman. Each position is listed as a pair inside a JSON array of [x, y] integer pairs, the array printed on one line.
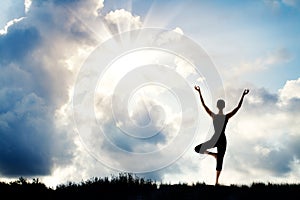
[[218, 139]]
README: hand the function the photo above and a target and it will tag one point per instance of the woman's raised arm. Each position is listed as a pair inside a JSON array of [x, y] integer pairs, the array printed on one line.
[[202, 101], [234, 111]]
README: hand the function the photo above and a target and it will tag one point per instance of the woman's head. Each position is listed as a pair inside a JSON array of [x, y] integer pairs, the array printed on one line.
[[221, 104]]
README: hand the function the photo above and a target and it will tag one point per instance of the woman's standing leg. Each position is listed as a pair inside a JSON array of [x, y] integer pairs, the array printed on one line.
[[220, 158], [217, 177]]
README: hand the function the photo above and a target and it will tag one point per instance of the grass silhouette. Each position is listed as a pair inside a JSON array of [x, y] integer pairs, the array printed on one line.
[[130, 186]]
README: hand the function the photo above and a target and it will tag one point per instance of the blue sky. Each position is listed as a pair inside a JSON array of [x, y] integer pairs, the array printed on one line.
[[44, 46]]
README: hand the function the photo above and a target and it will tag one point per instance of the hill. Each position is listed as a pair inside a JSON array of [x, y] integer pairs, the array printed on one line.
[[129, 186]]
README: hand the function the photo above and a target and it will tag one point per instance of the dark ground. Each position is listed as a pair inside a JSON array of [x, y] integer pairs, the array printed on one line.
[[128, 186]]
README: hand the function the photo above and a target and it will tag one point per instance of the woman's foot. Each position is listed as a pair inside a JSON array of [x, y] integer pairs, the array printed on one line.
[[212, 154]]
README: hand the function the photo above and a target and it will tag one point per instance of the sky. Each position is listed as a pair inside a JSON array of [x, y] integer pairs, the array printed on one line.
[[94, 88]]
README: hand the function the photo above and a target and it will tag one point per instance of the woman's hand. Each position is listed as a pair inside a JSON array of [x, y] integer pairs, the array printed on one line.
[[197, 88], [246, 91]]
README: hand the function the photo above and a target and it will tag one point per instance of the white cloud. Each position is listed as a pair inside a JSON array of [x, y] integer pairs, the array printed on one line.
[[264, 151], [91, 8], [122, 20], [201, 79], [27, 4], [178, 30], [262, 137], [184, 68], [68, 52], [169, 36], [291, 90], [271, 59], [8, 24]]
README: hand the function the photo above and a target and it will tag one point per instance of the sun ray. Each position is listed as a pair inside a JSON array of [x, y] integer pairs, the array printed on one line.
[[153, 19], [129, 5], [99, 36]]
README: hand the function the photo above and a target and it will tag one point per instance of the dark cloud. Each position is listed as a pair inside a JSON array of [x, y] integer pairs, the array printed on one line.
[[279, 160], [267, 97], [293, 106], [34, 84], [128, 143], [26, 132], [29, 140], [16, 45], [127, 137]]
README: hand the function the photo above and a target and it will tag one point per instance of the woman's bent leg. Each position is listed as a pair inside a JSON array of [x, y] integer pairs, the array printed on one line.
[[201, 148]]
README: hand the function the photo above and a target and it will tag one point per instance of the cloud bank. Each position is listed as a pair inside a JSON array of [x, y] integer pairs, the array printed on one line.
[[41, 52]]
